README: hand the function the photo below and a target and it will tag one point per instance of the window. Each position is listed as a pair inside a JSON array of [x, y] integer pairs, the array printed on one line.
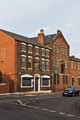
[[30, 48], [47, 53], [56, 79], [43, 64], [23, 62], [45, 81], [56, 62], [63, 79], [43, 51], [29, 62], [36, 63], [36, 66], [23, 47], [56, 49], [78, 81], [72, 81], [47, 65], [36, 50], [26, 81], [62, 67], [66, 79], [62, 49]]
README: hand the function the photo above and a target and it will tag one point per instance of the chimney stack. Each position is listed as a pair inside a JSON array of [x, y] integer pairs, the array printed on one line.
[[41, 38]]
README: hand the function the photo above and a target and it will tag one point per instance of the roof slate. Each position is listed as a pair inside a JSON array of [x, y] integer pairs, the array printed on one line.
[[73, 58], [33, 40], [48, 38], [22, 38]]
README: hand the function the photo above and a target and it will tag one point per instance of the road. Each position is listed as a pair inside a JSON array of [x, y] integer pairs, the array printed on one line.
[[39, 107]]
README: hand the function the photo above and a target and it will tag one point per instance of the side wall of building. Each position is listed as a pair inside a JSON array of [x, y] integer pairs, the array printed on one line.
[[7, 60]]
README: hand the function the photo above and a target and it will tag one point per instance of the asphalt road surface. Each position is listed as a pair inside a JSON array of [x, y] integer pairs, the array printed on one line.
[[39, 107]]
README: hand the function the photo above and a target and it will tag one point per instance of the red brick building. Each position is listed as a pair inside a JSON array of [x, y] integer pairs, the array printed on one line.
[[24, 63], [38, 64], [63, 75]]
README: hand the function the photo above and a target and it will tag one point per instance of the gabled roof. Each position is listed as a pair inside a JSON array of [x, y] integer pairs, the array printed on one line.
[[56, 36], [51, 38], [73, 58], [34, 40]]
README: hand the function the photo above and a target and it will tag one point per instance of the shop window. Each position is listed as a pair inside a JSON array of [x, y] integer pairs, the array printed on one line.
[[26, 81], [45, 81]]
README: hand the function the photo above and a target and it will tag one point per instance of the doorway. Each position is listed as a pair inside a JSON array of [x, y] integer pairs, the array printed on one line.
[[36, 83]]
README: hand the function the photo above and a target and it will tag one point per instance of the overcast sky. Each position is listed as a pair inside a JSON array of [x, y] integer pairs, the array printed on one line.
[[27, 17]]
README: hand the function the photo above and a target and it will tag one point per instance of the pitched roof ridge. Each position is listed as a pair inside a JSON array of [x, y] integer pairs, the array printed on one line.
[[12, 33]]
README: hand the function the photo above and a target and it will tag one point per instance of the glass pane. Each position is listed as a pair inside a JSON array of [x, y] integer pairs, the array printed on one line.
[[45, 81], [26, 81]]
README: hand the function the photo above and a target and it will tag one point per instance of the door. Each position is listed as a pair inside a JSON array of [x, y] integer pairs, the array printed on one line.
[[11, 87], [36, 83]]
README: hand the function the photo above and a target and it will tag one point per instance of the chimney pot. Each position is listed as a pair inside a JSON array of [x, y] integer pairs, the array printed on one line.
[[42, 31]]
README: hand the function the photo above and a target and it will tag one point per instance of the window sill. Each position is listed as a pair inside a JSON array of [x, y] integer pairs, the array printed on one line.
[[45, 85], [2, 83], [26, 86]]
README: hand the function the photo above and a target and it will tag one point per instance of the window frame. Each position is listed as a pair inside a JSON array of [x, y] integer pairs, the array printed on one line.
[[45, 76], [36, 50], [27, 75], [30, 50], [30, 57], [23, 67], [23, 47]]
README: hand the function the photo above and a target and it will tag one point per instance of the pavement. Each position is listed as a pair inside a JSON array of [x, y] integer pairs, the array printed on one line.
[[30, 93]]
